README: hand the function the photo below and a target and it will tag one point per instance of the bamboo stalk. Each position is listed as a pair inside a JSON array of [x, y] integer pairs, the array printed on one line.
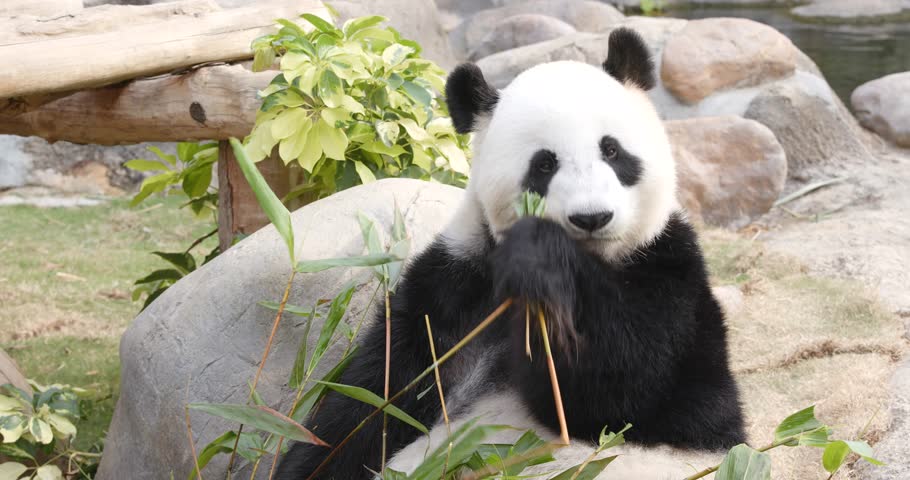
[[557, 396]]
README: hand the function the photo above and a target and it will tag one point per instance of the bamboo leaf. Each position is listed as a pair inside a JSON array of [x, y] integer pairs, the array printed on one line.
[[744, 463], [589, 472], [336, 313], [371, 398], [274, 209], [313, 266], [801, 423], [315, 394], [261, 417]]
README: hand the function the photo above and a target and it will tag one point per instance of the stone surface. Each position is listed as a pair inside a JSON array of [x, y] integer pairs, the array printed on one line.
[[583, 15], [811, 130], [883, 106], [892, 450], [203, 338], [730, 170], [850, 9], [15, 165], [501, 68], [419, 21], [518, 31], [721, 53]]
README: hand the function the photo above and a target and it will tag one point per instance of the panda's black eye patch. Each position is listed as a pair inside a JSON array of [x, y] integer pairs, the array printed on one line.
[[627, 166], [543, 166]]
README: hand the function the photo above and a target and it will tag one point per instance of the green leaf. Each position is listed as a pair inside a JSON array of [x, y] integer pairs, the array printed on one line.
[[744, 463], [610, 440], [313, 266], [196, 182], [12, 427], [834, 455], [798, 424], [140, 165], [321, 25], [336, 313], [313, 395], [298, 371], [263, 58], [292, 147], [395, 54], [312, 151], [163, 156], [366, 175], [454, 154], [288, 122], [355, 25], [11, 470], [333, 140], [48, 472], [465, 441], [388, 132], [184, 262], [589, 472], [40, 430], [157, 275], [330, 90], [13, 451], [274, 209], [222, 444], [261, 417], [417, 93], [371, 398]]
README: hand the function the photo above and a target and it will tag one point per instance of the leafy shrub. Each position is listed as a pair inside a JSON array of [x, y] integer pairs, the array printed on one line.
[[354, 104], [37, 428]]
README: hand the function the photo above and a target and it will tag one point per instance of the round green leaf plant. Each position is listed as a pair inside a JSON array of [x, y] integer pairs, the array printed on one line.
[[352, 105]]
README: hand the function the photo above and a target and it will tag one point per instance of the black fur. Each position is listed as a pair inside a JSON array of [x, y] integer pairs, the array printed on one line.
[[650, 349], [543, 167], [628, 59], [626, 166], [469, 95]]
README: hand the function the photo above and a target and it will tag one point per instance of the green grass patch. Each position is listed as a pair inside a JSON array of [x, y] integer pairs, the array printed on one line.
[[65, 286]]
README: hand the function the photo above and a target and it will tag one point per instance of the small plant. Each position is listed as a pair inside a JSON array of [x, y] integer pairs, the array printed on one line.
[[37, 432], [651, 7], [354, 104], [189, 173]]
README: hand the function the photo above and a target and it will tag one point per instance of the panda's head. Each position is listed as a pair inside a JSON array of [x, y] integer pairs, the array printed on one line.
[[588, 139]]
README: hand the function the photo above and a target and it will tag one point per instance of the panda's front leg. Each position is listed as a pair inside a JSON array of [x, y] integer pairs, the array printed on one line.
[[536, 265]]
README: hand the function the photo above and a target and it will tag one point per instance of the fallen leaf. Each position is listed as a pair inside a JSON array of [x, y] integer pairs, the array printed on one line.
[[69, 277]]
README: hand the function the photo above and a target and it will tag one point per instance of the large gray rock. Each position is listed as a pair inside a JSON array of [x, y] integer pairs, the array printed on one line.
[[15, 165], [201, 341], [883, 106], [731, 170], [518, 31], [812, 131], [721, 53], [583, 15]]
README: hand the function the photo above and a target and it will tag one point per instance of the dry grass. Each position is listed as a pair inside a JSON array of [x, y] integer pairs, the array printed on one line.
[[799, 340]]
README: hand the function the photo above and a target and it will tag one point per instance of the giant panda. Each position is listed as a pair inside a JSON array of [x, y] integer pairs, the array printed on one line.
[[638, 336]]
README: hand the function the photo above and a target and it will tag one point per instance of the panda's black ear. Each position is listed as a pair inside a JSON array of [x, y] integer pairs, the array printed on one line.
[[469, 96], [628, 59]]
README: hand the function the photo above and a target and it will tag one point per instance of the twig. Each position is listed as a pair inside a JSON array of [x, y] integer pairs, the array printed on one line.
[[189, 431], [388, 359], [808, 189], [528, 331], [452, 351], [442, 398], [199, 240], [557, 396], [265, 356]]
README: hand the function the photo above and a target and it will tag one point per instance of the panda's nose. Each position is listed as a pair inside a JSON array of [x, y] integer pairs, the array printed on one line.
[[591, 221]]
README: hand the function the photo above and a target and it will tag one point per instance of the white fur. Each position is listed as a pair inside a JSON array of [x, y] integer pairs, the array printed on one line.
[[635, 462], [567, 107]]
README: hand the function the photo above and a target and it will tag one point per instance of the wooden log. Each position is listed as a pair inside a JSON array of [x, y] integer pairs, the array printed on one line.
[[39, 8], [239, 212], [88, 61], [215, 102], [104, 18]]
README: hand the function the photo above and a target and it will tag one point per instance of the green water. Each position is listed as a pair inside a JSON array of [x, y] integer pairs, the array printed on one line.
[[848, 55]]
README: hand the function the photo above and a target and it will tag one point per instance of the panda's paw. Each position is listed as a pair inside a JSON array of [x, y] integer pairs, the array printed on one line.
[[535, 262]]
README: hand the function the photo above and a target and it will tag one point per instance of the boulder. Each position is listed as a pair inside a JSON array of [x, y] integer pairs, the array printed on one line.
[[850, 10], [583, 15], [502, 67], [721, 53], [812, 130], [201, 341], [419, 21], [883, 106], [730, 170], [518, 31], [14, 164]]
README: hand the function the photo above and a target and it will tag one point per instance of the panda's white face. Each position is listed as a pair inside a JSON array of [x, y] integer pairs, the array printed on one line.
[[595, 149]]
